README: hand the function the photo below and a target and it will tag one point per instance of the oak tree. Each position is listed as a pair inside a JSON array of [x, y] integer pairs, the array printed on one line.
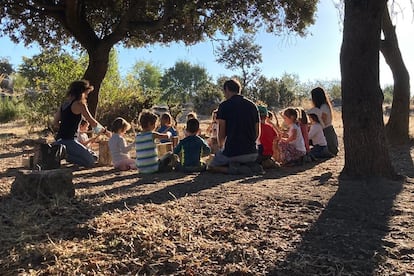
[[397, 127], [97, 25], [366, 151]]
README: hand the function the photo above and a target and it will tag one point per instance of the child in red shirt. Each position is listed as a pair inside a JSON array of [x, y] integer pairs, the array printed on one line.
[[268, 134]]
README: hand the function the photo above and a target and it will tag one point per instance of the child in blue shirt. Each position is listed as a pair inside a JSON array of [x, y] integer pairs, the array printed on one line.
[[191, 149], [166, 125]]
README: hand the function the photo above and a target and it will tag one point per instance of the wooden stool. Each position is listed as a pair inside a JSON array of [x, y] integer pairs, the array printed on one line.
[[163, 148], [105, 158]]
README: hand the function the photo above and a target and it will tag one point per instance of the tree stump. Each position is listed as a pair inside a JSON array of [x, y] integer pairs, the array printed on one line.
[[105, 158], [44, 184]]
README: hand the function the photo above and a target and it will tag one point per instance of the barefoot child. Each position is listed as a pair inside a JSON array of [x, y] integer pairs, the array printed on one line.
[[119, 147], [147, 158]]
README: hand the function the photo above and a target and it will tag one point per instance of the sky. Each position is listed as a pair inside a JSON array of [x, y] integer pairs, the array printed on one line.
[[314, 57]]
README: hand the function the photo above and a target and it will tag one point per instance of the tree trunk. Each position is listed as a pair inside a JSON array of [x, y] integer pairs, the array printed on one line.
[[95, 73], [397, 127], [366, 153]]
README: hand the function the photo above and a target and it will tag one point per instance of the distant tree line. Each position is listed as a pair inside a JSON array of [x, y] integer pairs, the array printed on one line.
[[47, 75]]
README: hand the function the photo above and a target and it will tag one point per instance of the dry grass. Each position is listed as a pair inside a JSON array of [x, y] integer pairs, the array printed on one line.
[[291, 221]]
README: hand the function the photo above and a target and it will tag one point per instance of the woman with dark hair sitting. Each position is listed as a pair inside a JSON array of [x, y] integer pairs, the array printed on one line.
[[67, 119]]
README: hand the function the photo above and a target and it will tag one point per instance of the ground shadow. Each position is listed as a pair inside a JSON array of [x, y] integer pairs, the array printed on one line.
[[14, 154], [200, 182], [348, 236]]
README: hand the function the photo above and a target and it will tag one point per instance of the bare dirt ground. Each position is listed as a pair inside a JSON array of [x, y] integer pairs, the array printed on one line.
[[291, 221]]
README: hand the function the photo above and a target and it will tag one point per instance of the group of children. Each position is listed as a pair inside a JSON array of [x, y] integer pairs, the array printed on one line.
[[290, 146], [186, 155], [277, 145]]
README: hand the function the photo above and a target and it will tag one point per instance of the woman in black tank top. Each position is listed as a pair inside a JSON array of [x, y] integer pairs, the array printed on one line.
[[67, 120]]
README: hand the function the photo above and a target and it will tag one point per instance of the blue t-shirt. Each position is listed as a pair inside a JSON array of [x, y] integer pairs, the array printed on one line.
[[241, 116], [191, 149], [164, 129]]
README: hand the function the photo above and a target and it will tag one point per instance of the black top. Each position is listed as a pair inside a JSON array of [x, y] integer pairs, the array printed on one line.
[[241, 116], [69, 122]]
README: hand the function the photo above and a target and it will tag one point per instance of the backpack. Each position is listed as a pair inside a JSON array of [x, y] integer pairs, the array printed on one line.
[[50, 156]]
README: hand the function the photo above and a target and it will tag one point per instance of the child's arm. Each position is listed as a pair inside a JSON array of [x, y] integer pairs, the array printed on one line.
[[157, 135], [221, 133], [177, 148], [86, 142], [206, 149], [292, 137], [123, 146]]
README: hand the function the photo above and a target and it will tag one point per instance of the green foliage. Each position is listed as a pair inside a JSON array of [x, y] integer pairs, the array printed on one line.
[[49, 73], [332, 87], [20, 83], [112, 80], [127, 104], [266, 90], [10, 109], [147, 75], [181, 82], [58, 22], [388, 94], [96, 26], [242, 55], [5, 66], [208, 98]]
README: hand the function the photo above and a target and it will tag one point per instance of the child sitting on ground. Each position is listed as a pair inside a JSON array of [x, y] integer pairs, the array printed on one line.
[[212, 132], [118, 146], [82, 135], [317, 138], [291, 148], [166, 125], [268, 135], [304, 127], [147, 156], [192, 148], [83, 138]]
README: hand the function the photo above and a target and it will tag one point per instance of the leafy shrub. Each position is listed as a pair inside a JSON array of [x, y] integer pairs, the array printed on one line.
[[125, 107], [207, 99], [10, 109]]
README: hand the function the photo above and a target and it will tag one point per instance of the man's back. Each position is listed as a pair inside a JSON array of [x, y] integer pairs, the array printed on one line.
[[241, 117]]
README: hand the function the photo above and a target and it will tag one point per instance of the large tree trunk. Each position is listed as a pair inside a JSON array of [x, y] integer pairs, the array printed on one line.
[[366, 153], [398, 124], [95, 73]]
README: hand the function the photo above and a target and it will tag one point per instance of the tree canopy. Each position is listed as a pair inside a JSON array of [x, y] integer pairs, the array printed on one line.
[[97, 25]]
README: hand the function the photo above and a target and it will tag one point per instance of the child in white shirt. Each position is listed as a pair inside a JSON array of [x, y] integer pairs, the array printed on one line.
[[119, 147], [317, 138], [292, 148]]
